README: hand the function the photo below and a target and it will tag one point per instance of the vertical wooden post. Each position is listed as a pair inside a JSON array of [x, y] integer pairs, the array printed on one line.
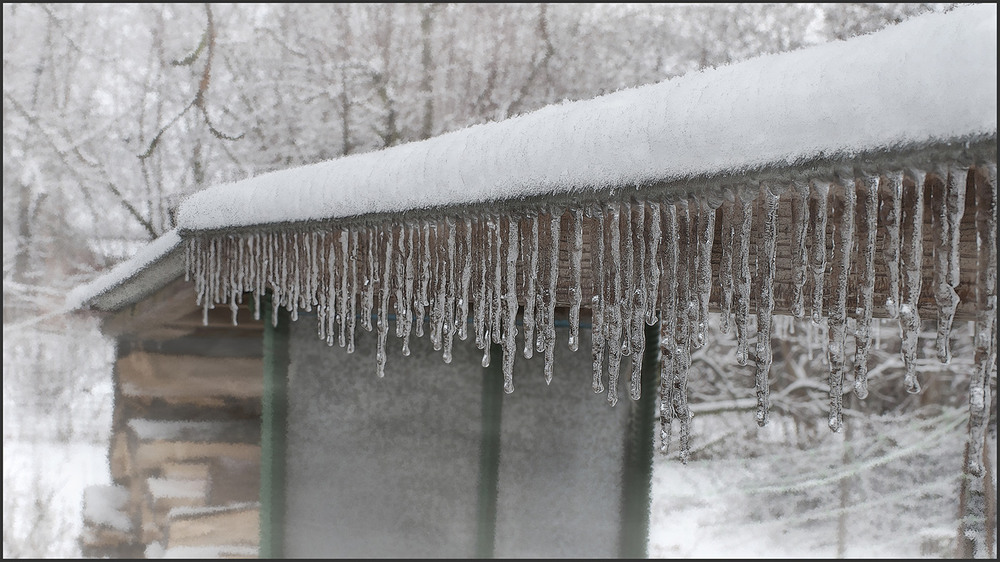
[[637, 473], [489, 454], [273, 427]]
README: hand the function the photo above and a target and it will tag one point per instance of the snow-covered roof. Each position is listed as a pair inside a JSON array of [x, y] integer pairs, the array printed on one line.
[[929, 81], [151, 268]]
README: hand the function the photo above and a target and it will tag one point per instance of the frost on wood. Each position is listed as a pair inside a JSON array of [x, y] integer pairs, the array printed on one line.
[[847, 246]]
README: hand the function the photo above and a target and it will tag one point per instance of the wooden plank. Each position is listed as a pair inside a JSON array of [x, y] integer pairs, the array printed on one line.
[[153, 454], [186, 470], [233, 527], [175, 376], [234, 481]]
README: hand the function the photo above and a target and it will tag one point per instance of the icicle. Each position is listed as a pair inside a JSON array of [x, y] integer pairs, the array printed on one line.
[[450, 323], [726, 265], [555, 215], [706, 232], [817, 221], [576, 296], [368, 294], [890, 250], [949, 208], [330, 294], [652, 267], [597, 301], [405, 276], [741, 265], [352, 313], [668, 327], [496, 299], [800, 252], [480, 250], [628, 275], [529, 296], [612, 302], [422, 300], [765, 306], [463, 299], [383, 316], [638, 305], [439, 281], [863, 337], [342, 300], [399, 282], [686, 250], [510, 328], [986, 318], [912, 258], [838, 312], [294, 286]]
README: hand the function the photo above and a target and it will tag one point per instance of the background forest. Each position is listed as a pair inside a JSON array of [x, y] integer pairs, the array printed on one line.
[[113, 113]]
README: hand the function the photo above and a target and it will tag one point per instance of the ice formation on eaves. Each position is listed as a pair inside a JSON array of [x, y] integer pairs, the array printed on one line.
[[610, 259]]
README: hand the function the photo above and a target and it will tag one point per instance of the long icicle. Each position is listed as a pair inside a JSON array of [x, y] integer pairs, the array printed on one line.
[[986, 318], [726, 266], [597, 301], [800, 251], [948, 212], [383, 316], [352, 312], [450, 322], [627, 276], [741, 265], [497, 295], [668, 326], [706, 233], [529, 294], [863, 336], [892, 212], [637, 305], [510, 298], [553, 278], [440, 287], [463, 298], [817, 257], [342, 298], [368, 295], [612, 302], [912, 257], [765, 306], [838, 310], [652, 267], [685, 256], [406, 290], [575, 290]]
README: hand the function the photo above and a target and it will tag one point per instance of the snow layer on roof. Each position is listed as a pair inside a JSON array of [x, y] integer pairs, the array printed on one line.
[[124, 271], [930, 79]]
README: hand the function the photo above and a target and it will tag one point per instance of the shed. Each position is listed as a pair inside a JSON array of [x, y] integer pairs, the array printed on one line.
[[535, 270]]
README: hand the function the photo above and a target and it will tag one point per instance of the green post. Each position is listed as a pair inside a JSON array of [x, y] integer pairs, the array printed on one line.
[[489, 454], [637, 473], [273, 426]]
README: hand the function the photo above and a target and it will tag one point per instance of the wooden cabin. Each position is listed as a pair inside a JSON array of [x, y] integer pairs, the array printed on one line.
[[458, 347]]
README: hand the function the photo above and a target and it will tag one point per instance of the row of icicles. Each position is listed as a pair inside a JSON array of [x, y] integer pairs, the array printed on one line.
[[650, 262]]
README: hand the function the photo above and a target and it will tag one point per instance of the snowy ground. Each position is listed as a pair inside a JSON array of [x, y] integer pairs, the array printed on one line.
[[889, 495], [43, 487]]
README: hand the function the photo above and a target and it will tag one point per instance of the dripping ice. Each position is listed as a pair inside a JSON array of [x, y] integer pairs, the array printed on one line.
[[624, 264]]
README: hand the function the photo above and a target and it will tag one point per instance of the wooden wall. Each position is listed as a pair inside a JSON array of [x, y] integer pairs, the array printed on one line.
[[185, 446]]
